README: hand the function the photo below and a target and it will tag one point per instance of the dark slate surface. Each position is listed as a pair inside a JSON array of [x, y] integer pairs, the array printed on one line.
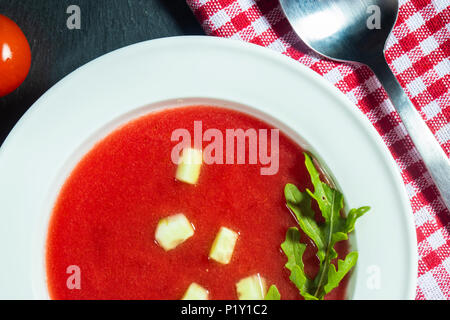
[[105, 25]]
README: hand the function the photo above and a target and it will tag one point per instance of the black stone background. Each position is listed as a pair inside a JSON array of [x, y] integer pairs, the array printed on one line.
[[106, 25]]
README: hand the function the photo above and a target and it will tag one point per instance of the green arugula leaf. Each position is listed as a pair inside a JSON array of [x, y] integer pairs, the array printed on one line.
[[300, 204], [294, 251], [273, 293], [344, 266], [335, 228], [353, 215]]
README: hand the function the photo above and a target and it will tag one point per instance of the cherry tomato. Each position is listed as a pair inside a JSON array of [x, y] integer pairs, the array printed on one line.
[[15, 56]]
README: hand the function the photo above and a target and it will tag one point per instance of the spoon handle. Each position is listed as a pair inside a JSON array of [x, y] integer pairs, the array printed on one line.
[[432, 154]]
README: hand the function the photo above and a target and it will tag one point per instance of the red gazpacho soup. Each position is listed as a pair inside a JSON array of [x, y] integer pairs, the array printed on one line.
[[124, 226]]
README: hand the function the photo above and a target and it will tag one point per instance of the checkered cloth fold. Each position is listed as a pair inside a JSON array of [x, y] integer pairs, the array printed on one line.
[[418, 52]]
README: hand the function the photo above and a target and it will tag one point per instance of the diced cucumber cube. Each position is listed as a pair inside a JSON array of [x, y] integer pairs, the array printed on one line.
[[189, 167], [251, 288], [196, 292], [223, 246], [173, 230]]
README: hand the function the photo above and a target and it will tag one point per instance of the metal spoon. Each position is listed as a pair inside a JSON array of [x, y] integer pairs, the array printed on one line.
[[356, 31]]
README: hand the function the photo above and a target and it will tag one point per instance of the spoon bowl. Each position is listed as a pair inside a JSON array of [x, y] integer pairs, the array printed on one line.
[[341, 29]]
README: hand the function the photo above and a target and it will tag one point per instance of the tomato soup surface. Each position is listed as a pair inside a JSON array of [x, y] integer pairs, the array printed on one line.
[[106, 214]]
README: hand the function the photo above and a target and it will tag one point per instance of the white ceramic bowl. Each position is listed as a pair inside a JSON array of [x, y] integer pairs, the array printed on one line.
[[89, 103]]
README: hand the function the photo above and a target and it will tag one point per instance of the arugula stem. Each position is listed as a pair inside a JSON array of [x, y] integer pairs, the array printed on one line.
[[322, 274], [325, 261]]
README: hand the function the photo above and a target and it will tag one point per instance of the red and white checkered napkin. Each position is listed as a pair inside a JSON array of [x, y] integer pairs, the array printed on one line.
[[418, 52]]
